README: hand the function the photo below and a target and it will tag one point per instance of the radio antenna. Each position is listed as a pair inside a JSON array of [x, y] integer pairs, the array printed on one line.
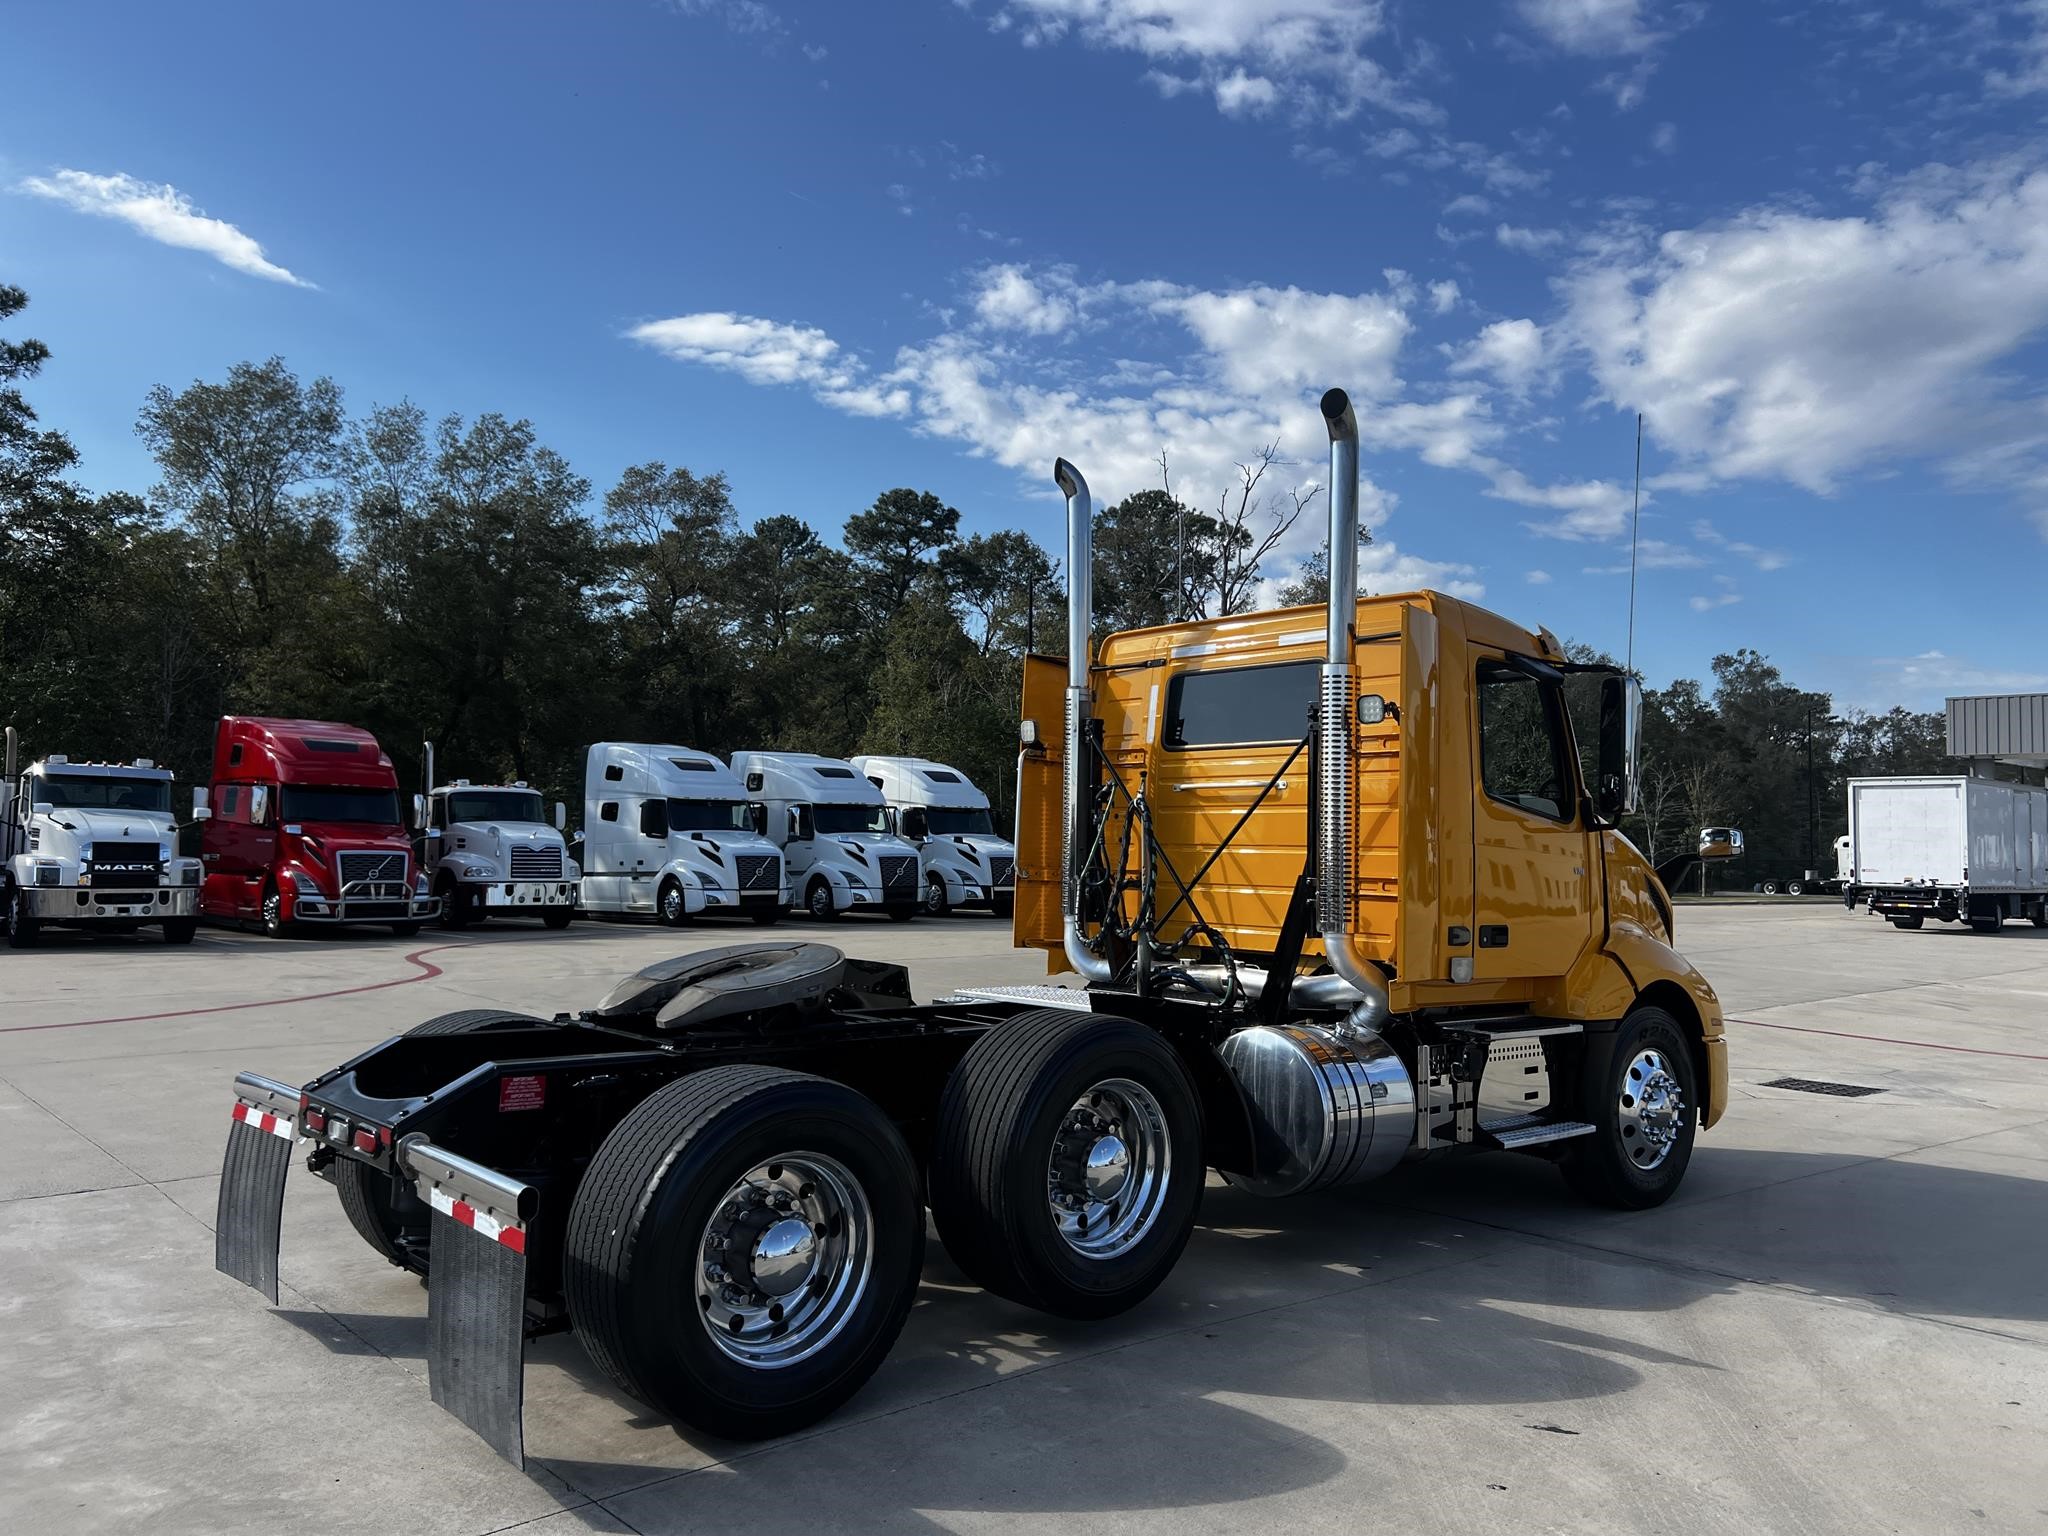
[[1634, 524]]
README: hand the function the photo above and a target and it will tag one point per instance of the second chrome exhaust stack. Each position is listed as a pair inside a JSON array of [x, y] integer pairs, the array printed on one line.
[[1334, 822], [1074, 775]]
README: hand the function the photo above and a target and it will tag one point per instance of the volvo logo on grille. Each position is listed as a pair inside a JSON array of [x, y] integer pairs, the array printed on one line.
[[380, 867]]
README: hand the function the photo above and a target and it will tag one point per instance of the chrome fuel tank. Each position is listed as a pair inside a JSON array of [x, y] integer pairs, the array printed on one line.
[[1326, 1109]]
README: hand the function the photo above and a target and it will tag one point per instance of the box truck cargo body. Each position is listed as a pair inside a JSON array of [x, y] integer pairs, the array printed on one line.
[[1960, 849]]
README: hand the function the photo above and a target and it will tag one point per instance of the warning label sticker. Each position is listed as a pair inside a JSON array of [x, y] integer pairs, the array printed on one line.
[[521, 1093]]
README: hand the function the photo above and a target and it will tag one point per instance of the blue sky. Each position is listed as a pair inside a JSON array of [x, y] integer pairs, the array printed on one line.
[[830, 249]]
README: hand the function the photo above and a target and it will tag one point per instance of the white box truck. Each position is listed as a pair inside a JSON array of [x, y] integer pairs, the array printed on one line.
[[91, 845], [965, 861], [834, 830], [489, 851], [1960, 849], [668, 834]]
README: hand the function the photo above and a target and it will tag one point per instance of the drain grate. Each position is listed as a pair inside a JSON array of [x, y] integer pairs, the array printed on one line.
[[1814, 1085]]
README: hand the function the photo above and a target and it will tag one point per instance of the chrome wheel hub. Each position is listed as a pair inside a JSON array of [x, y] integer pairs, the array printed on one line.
[[1652, 1109], [784, 1260], [1107, 1177]]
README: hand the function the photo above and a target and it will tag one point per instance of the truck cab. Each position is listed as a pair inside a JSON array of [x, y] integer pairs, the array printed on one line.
[[91, 845], [834, 830], [668, 834], [965, 861], [489, 851], [302, 826]]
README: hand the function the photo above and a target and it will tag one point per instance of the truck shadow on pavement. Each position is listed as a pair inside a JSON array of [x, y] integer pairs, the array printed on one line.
[[1497, 1293]]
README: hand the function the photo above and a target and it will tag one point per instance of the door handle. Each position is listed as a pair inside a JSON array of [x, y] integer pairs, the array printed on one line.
[[210, 856], [1493, 935]]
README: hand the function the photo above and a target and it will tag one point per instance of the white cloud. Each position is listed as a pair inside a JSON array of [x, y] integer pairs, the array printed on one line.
[[1787, 345], [1762, 559], [1443, 297], [164, 214], [1652, 555], [1665, 139], [1510, 351], [1934, 675], [1470, 204], [1269, 340], [1314, 58], [1010, 300], [1530, 242], [768, 352], [1590, 26], [1537, 578], [1707, 604], [2029, 72]]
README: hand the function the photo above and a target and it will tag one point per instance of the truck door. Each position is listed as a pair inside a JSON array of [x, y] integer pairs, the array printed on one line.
[[225, 857], [1532, 898]]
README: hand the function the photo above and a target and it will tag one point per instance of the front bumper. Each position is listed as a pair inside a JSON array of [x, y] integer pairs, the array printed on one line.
[[510, 895], [84, 904], [365, 909]]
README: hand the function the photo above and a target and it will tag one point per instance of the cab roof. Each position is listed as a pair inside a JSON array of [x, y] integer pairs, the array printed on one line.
[[1304, 628], [300, 752]]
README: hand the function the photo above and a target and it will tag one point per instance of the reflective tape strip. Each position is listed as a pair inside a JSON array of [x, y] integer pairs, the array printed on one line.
[[483, 1223], [264, 1120]]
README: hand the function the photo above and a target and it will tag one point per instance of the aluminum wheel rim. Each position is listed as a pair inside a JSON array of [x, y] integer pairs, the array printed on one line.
[[784, 1261], [672, 902], [934, 897], [1652, 1109], [1112, 1159]]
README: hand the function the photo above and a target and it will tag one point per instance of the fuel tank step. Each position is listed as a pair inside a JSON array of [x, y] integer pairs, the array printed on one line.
[[1513, 1135]]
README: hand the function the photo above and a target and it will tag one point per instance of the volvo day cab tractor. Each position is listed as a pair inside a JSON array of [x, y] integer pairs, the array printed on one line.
[[964, 861], [1338, 900], [835, 831], [668, 834], [91, 845], [488, 851], [302, 829]]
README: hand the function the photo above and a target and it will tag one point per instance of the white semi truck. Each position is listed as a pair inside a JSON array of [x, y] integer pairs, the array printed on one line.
[[965, 861], [91, 845], [1960, 849], [489, 851], [834, 830], [668, 834]]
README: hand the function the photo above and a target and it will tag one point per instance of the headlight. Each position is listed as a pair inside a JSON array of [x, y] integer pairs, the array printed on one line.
[[471, 872], [163, 853], [49, 874], [85, 852], [304, 883], [419, 886]]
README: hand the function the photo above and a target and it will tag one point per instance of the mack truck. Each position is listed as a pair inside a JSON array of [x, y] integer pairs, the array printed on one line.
[[964, 861], [488, 851], [836, 833], [1341, 900], [301, 829], [668, 833], [91, 845]]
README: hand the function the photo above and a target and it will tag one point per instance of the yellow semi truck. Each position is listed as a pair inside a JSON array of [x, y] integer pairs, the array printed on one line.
[[1334, 888]]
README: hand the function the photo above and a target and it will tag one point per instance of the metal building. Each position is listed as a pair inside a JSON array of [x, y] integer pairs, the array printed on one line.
[[2001, 728]]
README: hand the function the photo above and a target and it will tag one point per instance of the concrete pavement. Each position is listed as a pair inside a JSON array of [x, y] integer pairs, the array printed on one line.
[[1841, 1324]]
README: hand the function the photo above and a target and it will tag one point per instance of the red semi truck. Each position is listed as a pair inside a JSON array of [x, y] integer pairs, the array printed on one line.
[[303, 825]]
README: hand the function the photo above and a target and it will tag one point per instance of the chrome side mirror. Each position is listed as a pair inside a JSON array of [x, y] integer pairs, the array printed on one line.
[[1621, 734], [1721, 843]]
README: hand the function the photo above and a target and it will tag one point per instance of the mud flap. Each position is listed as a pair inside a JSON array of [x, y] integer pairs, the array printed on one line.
[[262, 1135], [476, 1293]]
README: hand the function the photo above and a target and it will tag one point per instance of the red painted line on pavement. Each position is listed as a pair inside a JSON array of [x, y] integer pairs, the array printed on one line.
[[426, 972], [1924, 1045]]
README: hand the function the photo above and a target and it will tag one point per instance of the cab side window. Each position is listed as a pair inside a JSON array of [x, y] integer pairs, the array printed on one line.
[[1522, 744], [231, 802]]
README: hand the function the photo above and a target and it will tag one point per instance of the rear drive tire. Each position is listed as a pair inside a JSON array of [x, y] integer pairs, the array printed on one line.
[[556, 917], [1906, 920], [1639, 1094], [23, 926], [2039, 916], [1067, 1165], [1795, 888], [807, 1195], [179, 930], [1770, 887], [390, 1217], [1986, 924]]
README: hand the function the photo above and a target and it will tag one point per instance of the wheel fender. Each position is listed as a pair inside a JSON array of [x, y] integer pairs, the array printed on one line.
[[835, 877], [684, 876], [956, 884], [1661, 975]]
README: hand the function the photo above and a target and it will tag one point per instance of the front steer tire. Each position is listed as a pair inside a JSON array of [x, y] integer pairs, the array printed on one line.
[[1625, 1083], [1009, 1121], [668, 1180], [384, 1214], [23, 927]]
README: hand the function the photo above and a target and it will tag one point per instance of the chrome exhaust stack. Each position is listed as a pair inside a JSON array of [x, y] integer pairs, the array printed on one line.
[[1080, 711], [1334, 827]]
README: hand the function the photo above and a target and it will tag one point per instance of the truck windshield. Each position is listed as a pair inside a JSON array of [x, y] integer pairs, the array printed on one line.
[[322, 802], [952, 823], [708, 816], [494, 805], [97, 794], [849, 818]]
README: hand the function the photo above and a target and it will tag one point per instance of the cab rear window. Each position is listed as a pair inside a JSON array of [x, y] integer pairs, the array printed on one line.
[[1241, 706]]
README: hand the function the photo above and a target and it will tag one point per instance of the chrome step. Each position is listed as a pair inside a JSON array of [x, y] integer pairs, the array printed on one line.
[[1045, 995], [1514, 1137], [1516, 1031]]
